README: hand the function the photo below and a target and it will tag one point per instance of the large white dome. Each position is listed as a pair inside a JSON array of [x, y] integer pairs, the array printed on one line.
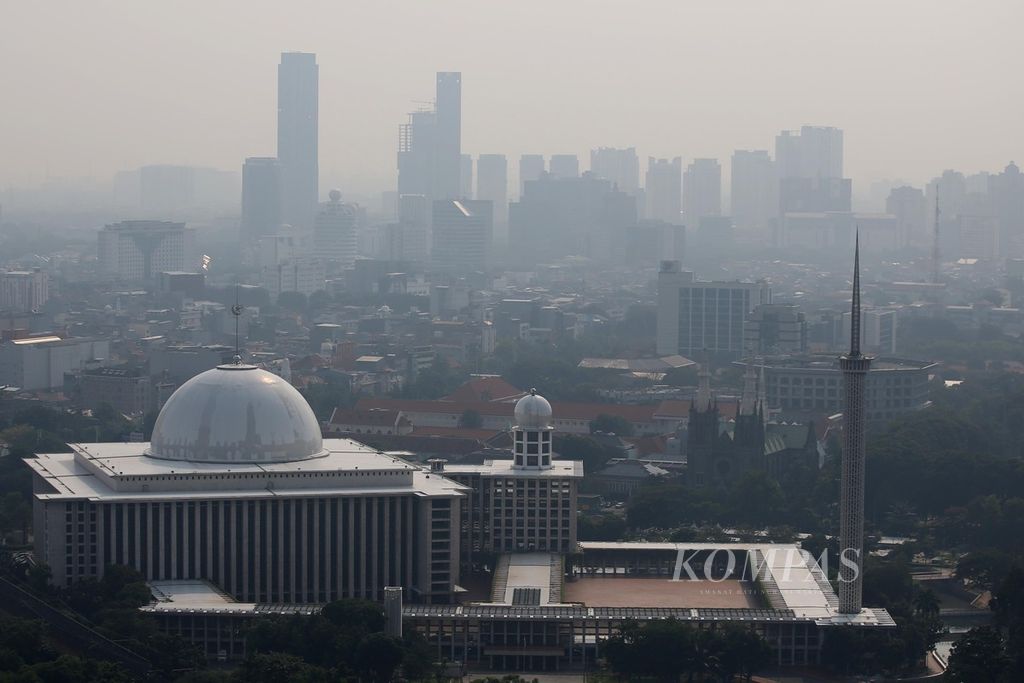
[[533, 411], [236, 413]]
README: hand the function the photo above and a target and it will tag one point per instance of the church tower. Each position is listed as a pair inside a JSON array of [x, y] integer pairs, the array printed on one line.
[[748, 432], [702, 431], [855, 368]]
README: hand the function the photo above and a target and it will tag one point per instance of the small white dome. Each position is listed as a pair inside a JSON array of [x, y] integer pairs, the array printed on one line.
[[236, 413], [533, 411]]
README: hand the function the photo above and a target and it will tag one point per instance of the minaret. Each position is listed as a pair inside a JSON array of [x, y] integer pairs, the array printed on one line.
[[855, 368], [702, 401]]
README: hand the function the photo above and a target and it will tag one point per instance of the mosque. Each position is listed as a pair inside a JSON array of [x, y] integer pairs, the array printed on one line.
[[238, 508]]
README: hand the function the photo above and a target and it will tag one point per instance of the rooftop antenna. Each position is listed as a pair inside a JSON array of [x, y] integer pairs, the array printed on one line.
[[236, 311], [935, 239]]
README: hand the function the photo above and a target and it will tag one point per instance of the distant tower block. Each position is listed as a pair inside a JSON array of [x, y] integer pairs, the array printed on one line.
[[855, 368]]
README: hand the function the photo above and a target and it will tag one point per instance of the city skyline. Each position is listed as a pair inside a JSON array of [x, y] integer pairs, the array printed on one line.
[[509, 96]]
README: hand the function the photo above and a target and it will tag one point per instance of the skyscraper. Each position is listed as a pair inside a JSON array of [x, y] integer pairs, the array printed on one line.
[[334, 231], [492, 186], [620, 166], [855, 368], [462, 232], [416, 148], [564, 166], [753, 190], [663, 187], [448, 154], [702, 191], [810, 171], [908, 205], [261, 198], [531, 167], [297, 135], [466, 176]]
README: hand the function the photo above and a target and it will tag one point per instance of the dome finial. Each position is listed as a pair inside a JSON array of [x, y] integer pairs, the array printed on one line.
[[533, 391]]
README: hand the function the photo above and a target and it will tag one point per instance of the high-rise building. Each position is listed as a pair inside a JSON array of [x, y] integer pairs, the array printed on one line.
[[261, 198], [531, 167], [462, 232], [695, 316], [466, 176], [24, 290], [297, 137], [877, 330], [908, 205], [620, 166], [138, 251], [334, 230], [855, 367], [702, 191], [564, 166], [492, 186], [810, 171], [416, 148], [559, 217], [1007, 192], [414, 215], [448, 155], [663, 188], [753, 190]]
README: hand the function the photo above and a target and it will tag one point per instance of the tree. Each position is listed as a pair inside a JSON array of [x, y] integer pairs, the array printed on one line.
[[743, 652], [611, 424], [979, 656], [275, 667], [378, 656]]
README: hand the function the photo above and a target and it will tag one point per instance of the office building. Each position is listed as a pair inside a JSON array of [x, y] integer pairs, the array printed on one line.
[[125, 389], [40, 362], [774, 329], [416, 143], [22, 291], [238, 488], [531, 167], [298, 137], [261, 198], [620, 166], [702, 191], [695, 316], [663, 188], [492, 186], [753, 191], [334, 231], [448, 149], [462, 234], [137, 251], [1007, 192], [564, 166]]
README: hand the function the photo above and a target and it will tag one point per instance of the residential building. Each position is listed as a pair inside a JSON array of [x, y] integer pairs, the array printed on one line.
[[702, 191], [137, 251], [663, 189], [22, 291], [261, 198]]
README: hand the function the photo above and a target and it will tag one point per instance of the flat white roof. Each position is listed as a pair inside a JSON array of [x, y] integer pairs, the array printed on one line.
[[70, 478], [506, 468]]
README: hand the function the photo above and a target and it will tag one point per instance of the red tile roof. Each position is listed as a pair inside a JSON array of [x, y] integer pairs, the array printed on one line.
[[485, 389]]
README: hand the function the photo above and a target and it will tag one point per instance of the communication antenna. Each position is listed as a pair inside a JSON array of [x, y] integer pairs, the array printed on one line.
[[236, 311]]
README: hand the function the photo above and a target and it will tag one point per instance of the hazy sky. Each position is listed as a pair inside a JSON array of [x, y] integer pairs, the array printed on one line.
[[88, 87]]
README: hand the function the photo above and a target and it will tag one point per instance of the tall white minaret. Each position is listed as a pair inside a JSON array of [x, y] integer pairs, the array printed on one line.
[[855, 368]]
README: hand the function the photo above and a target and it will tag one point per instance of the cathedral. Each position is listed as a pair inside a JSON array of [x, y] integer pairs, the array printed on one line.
[[720, 452]]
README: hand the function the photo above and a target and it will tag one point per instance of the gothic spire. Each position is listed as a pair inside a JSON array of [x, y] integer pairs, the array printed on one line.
[[748, 400], [703, 400]]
